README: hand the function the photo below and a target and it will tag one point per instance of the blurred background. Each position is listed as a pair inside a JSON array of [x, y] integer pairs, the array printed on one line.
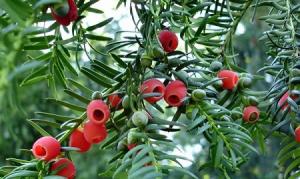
[[19, 103]]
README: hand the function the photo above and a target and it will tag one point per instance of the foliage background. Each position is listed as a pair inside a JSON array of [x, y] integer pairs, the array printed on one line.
[[19, 103]]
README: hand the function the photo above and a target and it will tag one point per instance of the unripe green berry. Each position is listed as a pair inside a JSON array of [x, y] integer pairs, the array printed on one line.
[[122, 145], [245, 101], [130, 124], [140, 118], [146, 60], [215, 66], [97, 95], [218, 84], [245, 82], [189, 111], [125, 102], [253, 101], [157, 51], [198, 94], [132, 136]]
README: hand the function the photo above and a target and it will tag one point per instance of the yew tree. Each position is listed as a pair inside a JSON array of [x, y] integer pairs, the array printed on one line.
[[177, 72]]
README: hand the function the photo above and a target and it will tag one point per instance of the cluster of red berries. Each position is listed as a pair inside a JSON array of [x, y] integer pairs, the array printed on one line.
[[174, 93], [229, 82], [94, 131], [65, 18], [47, 149]]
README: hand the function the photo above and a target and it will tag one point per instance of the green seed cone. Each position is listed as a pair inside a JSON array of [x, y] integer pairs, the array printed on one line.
[[245, 82], [198, 94], [157, 52], [132, 136], [146, 60], [125, 102], [97, 95], [215, 66], [140, 119]]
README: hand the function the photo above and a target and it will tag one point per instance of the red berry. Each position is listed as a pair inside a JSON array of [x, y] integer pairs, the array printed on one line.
[[64, 167], [283, 100], [98, 112], [131, 146], [229, 78], [46, 148], [78, 140], [71, 15], [175, 93], [94, 133], [153, 86], [168, 40], [115, 100], [297, 134], [251, 114]]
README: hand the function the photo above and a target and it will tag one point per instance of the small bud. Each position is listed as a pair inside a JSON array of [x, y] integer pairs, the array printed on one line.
[[245, 82], [253, 101], [218, 85], [132, 136], [97, 95], [189, 111], [215, 66], [198, 94], [125, 102], [157, 52], [122, 145], [140, 118], [146, 60]]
